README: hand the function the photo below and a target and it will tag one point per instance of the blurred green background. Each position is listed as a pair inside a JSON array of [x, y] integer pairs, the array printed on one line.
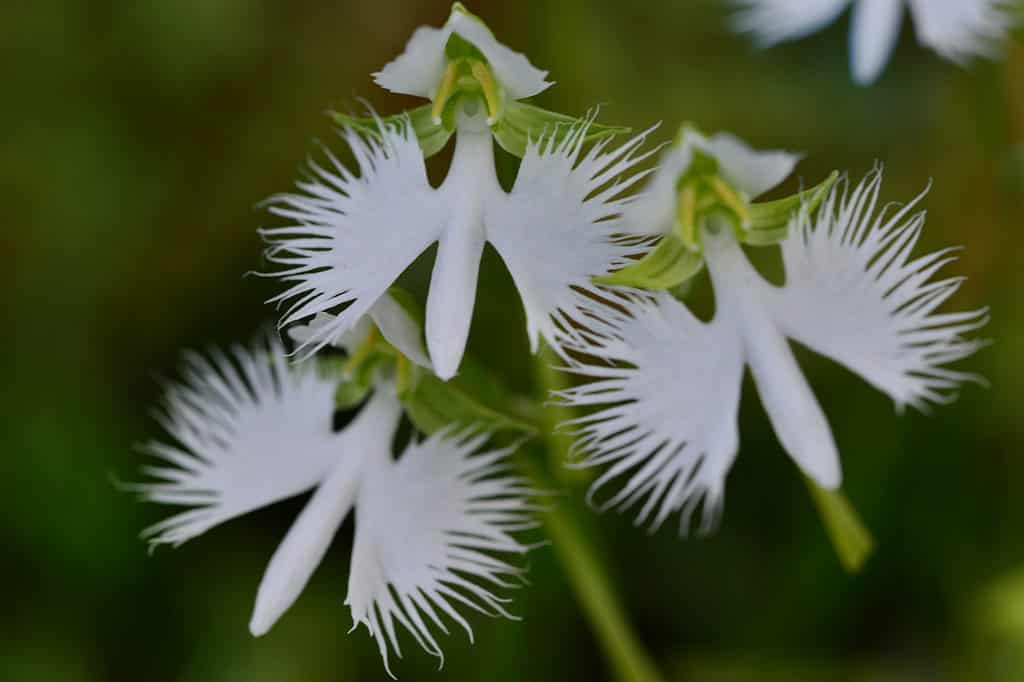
[[137, 139]]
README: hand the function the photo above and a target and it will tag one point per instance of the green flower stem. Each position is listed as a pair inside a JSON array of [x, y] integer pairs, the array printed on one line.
[[577, 554], [547, 379]]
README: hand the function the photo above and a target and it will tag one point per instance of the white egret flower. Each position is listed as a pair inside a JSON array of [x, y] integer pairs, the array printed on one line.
[[956, 29], [670, 387], [254, 429], [350, 237]]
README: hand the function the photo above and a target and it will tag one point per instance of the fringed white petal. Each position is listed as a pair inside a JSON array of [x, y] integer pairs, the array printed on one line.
[[855, 293], [351, 237], [669, 387], [367, 438], [775, 21], [962, 29], [428, 527], [559, 226], [420, 67], [874, 29], [250, 429]]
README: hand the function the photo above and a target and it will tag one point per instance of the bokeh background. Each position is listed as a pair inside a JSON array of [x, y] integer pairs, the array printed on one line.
[[137, 139]]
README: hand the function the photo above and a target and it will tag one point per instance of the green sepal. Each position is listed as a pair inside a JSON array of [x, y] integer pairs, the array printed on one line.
[[850, 537], [769, 220], [350, 393], [473, 397], [431, 136], [666, 266], [521, 122], [458, 47], [765, 237], [351, 389]]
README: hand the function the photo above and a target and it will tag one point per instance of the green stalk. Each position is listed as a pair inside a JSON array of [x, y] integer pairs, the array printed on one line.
[[574, 549]]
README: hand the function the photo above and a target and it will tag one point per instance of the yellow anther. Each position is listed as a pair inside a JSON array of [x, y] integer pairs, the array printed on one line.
[[444, 92], [482, 74], [686, 218], [733, 201], [403, 374], [361, 353]]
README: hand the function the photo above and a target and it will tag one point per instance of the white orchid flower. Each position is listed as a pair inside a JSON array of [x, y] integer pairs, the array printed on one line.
[[254, 429], [351, 236], [956, 29], [670, 387]]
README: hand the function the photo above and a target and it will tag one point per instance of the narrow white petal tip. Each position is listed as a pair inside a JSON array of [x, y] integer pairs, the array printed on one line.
[[271, 603], [446, 371], [260, 623], [825, 472]]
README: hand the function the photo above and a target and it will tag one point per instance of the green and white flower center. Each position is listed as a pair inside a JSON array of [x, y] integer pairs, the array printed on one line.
[[467, 75]]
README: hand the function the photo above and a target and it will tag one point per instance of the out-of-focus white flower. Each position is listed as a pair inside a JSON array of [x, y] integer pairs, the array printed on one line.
[[668, 384], [956, 29], [253, 429]]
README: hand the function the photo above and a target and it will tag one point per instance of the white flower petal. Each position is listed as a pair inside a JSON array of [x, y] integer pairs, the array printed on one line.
[[749, 170], [366, 439], [653, 209], [470, 182], [874, 29], [670, 395], [419, 68], [961, 29], [557, 228], [427, 528], [774, 21], [855, 294], [400, 330], [513, 70], [250, 430], [796, 416], [352, 236], [452, 294], [304, 333]]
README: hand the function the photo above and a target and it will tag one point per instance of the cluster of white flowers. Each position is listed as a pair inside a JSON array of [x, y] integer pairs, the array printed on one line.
[[956, 29], [598, 268]]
